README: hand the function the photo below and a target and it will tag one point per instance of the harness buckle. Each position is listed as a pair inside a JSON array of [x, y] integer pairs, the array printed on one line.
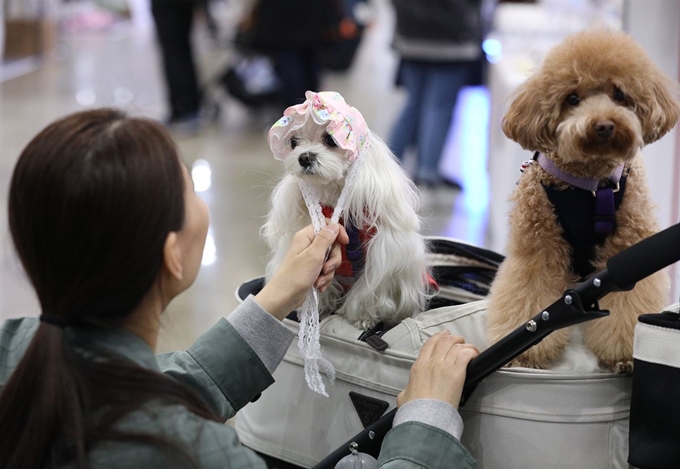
[[614, 190]]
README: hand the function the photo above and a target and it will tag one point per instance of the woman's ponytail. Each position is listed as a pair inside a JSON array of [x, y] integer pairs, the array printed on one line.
[[41, 402]]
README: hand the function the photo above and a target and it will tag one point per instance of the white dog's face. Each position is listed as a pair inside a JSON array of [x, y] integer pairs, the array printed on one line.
[[315, 156], [598, 124]]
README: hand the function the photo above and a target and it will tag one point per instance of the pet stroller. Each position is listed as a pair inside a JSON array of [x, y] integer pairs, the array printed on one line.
[[516, 418]]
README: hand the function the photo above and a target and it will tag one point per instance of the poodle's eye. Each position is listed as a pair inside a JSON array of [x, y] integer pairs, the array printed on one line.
[[573, 99], [328, 140], [293, 143], [619, 95]]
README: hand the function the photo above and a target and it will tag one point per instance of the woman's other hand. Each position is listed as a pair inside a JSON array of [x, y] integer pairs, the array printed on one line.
[[439, 371], [307, 262]]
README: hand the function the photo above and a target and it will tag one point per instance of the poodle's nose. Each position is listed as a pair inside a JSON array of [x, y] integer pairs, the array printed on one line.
[[307, 159], [604, 129]]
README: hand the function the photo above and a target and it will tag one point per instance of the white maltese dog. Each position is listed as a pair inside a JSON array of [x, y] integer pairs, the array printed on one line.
[[329, 153]]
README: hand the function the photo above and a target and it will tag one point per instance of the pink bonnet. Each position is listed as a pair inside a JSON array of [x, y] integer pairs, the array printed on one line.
[[344, 123]]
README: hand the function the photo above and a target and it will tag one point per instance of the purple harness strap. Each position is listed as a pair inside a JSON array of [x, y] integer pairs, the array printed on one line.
[[604, 220]]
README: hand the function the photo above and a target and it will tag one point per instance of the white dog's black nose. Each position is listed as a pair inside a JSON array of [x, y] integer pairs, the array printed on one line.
[[604, 129], [307, 159]]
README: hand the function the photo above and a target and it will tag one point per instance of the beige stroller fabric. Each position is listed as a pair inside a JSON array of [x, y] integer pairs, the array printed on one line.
[[516, 418]]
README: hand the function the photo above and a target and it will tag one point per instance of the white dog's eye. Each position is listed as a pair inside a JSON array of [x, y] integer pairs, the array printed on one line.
[[328, 139], [573, 99], [619, 95], [293, 143]]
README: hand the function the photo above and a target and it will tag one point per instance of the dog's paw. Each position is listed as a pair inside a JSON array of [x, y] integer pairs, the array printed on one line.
[[625, 367], [525, 362], [537, 357], [513, 364], [365, 324]]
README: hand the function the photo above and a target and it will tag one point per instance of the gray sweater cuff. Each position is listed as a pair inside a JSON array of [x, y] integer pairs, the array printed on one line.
[[265, 334], [432, 412]]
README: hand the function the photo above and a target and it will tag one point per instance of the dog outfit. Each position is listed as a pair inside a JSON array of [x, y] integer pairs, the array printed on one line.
[[349, 130], [354, 253], [586, 210]]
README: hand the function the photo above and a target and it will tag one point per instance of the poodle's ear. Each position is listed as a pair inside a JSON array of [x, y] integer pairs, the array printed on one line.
[[531, 119], [658, 106]]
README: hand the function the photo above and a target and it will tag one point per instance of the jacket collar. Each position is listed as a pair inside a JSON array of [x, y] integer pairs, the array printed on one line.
[[115, 340]]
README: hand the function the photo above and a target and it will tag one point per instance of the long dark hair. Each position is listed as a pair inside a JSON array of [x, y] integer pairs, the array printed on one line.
[[92, 200]]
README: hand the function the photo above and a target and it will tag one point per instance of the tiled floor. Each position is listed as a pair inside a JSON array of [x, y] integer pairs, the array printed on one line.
[[120, 68]]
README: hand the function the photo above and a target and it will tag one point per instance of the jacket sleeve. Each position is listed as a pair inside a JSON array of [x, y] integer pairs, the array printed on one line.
[[413, 445], [231, 363]]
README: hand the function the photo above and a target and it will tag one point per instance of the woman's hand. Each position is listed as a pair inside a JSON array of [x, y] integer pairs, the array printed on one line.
[[439, 371], [305, 264]]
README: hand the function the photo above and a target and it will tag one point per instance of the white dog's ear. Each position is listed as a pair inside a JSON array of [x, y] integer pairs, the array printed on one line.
[[531, 119], [658, 105], [382, 191]]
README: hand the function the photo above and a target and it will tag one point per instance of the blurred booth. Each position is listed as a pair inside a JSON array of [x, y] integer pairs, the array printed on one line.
[[28, 28]]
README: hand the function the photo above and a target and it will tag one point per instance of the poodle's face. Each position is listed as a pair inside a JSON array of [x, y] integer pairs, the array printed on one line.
[[597, 123], [315, 156], [596, 97]]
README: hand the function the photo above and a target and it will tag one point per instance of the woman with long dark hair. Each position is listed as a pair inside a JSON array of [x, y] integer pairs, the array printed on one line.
[[109, 230]]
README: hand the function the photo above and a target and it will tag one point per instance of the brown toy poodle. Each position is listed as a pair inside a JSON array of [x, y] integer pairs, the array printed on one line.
[[594, 103]]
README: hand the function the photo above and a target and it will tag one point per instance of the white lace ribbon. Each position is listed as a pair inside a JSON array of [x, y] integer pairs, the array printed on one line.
[[308, 315]]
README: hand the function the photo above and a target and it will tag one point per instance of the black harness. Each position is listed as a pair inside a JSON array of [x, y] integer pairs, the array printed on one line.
[[587, 219]]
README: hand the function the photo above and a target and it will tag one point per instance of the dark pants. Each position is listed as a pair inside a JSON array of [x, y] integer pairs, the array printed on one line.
[[173, 20], [298, 69], [425, 119]]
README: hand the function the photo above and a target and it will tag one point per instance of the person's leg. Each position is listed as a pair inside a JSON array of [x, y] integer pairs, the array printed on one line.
[[438, 103], [312, 67], [173, 19], [404, 130], [290, 68]]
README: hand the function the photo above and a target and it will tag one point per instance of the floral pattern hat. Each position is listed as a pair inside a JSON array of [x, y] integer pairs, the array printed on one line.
[[344, 123]]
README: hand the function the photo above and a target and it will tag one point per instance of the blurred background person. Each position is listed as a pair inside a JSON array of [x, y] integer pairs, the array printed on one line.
[[439, 42], [173, 20], [292, 33]]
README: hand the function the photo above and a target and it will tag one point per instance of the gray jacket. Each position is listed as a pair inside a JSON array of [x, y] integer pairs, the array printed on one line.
[[228, 365]]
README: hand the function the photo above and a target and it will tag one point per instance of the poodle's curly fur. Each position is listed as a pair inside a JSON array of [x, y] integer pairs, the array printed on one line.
[[615, 82]]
